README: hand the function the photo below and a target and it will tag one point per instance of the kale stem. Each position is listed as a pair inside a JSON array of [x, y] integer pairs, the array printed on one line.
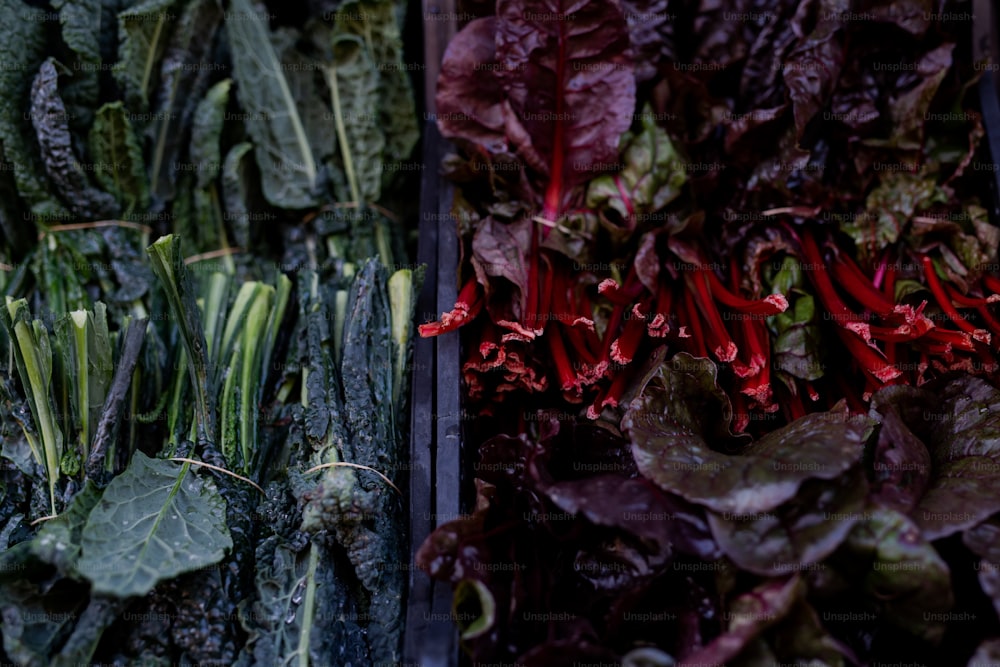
[[40, 393], [308, 606], [345, 147]]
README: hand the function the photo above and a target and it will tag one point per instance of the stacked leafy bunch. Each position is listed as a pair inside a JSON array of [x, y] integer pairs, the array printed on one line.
[[790, 192], [730, 294], [201, 434], [839, 539]]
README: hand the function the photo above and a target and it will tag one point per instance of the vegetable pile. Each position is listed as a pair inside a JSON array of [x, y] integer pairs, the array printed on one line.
[[729, 298], [789, 194], [202, 435]]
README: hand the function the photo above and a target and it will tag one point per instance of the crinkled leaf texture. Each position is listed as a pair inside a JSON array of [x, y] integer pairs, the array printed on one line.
[[984, 541], [281, 622], [206, 131], [354, 74], [469, 100], [681, 418], [570, 84], [49, 117], [652, 177], [36, 621], [58, 541], [287, 165], [749, 616], [143, 32], [958, 421], [22, 51], [562, 90], [904, 575], [113, 142], [155, 521]]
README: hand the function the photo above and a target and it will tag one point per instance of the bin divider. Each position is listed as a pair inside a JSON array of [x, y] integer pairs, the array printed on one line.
[[448, 436], [440, 25], [422, 422]]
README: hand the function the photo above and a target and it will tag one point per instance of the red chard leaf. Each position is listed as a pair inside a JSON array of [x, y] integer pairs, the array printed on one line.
[[469, 99], [570, 82]]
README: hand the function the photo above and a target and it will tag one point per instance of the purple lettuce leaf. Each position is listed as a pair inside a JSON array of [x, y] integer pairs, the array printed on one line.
[[800, 533], [984, 541], [958, 420], [987, 654], [901, 462], [679, 427], [899, 572], [748, 616]]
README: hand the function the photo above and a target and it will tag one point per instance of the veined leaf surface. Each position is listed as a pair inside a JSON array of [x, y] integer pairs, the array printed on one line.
[[155, 521]]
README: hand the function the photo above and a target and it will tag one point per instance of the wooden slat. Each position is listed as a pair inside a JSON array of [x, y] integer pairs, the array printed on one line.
[[440, 23], [422, 423]]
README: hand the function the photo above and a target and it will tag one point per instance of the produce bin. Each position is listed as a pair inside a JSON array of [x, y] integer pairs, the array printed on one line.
[[440, 482]]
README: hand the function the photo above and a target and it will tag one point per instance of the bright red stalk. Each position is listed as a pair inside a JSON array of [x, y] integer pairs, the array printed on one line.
[[821, 280], [618, 294], [758, 386], [564, 368], [991, 322], [858, 286], [553, 193], [772, 304], [624, 347], [659, 326], [969, 301], [992, 283], [937, 289], [697, 337], [725, 349], [872, 361], [615, 391], [467, 306]]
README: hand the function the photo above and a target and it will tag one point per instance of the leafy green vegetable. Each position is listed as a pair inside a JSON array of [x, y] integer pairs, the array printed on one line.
[[67, 173], [301, 613], [59, 540], [180, 86], [238, 189], [36, 622], [154, 521], [652, 177], [206, 131], [143, 31], [30, 347], [798, 340], [22, 52], [289, 173], [113, 143], [80, 23], [176, 280], [353, 80], [379, 22]]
